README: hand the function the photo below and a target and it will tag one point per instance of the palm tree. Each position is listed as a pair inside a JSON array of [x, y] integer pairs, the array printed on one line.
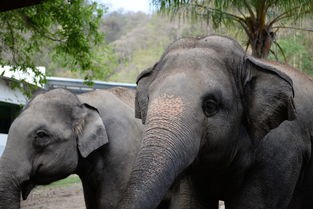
[[260, 19]]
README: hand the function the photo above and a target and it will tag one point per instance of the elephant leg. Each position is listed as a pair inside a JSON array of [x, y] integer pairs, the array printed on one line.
[[183, 196], [89, 196]]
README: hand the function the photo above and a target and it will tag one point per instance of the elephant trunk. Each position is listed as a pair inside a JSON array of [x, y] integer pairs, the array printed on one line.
[[14, 180], [168, 147], [9, 190]]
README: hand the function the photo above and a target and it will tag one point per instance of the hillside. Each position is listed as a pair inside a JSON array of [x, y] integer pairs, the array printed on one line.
[[137, 41]]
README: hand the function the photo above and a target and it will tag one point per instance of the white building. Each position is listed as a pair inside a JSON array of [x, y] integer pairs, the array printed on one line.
[[11, 100]]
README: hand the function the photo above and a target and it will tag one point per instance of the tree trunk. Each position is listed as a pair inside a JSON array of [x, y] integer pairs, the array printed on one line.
[[261, 41]]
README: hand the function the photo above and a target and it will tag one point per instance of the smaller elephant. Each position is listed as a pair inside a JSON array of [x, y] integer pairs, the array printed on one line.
[[94, 135]]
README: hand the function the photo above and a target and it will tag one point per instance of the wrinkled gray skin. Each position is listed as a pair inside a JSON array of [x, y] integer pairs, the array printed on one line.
[[239, 129], [94, 135]]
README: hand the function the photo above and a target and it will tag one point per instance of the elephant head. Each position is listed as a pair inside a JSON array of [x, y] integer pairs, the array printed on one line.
[[45, 143], [204, 93]]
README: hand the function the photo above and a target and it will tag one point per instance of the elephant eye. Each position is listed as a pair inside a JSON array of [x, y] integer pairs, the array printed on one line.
[[41, 134], [41, 139], [210, 107]]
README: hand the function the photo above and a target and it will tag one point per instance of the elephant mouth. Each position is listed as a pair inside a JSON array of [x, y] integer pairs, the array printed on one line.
[[27, 187]]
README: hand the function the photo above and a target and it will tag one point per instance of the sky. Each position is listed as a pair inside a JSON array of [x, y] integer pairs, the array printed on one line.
[[127, 5]]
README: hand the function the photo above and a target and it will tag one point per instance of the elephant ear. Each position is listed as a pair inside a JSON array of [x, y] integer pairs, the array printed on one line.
[[90, 130], [268, 97], [144, 80]]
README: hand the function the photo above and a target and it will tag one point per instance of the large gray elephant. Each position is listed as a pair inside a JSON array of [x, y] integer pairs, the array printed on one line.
[[239, 128], [94, 135]]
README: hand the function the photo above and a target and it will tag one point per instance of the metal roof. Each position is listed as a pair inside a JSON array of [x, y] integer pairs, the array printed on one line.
[[9, 95], [79, 86], [15, 96]]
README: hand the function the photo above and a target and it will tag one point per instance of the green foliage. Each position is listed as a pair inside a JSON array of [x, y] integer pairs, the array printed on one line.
[[68, 31], [141, 59], [296, 53], [118, 23], [141, 45], [72, 179], [103, 61]]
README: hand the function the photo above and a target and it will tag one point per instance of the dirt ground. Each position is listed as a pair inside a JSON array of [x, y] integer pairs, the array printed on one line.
[[63, 197]]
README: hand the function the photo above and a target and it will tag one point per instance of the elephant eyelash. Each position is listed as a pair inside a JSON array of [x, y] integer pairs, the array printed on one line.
[[41, 134]]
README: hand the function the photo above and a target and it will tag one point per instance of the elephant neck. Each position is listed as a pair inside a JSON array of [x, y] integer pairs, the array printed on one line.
[[91, 166], [91, 171]]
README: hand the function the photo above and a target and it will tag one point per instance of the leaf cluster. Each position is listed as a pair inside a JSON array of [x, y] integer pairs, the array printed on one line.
[[260, 19], [222, 11], [71, 25]]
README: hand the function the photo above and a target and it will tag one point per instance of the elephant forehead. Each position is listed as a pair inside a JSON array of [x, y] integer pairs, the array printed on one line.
[[167, 104]]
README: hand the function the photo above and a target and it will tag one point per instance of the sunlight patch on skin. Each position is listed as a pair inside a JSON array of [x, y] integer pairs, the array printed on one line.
[[168, 105]]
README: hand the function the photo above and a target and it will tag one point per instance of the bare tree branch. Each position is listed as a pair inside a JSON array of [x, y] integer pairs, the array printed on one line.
[[287, 14], [281, 50], [252, 15], [293, 28], [232, 16]]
